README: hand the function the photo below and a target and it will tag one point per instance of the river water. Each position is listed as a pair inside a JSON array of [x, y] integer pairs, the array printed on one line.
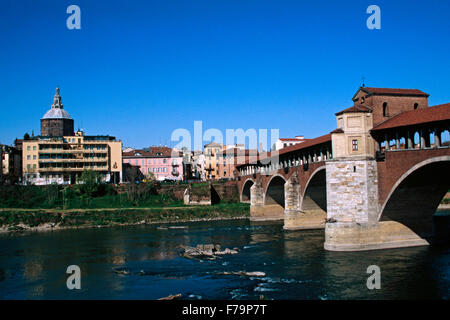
[[33, 265]]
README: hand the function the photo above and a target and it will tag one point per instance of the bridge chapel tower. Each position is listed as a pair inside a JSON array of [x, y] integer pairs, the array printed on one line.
[[351, 174]]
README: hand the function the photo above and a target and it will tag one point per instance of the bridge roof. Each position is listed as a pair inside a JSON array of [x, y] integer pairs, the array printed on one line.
[[416, 117], [308, 143]]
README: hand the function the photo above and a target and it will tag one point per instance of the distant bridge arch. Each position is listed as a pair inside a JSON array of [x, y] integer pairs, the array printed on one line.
[[245, 194], [314, 196], [274, 193]]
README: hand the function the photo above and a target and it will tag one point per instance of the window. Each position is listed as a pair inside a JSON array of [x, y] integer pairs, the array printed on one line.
[[34, 157], [164, 160], [28, 148], [28, 157], [34, 147], [416, 105], [385, 109], [355, 145]]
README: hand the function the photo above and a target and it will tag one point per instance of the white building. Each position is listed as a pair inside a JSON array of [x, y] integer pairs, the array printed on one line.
[[287, 142]]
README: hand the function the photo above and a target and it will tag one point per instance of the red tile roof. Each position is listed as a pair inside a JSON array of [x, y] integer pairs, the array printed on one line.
[[415, 117], [164, 152], [338, 130], [355, 108], [394, 91], [299, 146], [292, 139], [306, 144]]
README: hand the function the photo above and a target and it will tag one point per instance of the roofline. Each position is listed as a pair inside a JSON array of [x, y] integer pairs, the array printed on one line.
[[368, 110], [390, 94], [377, 128], [294, 148]]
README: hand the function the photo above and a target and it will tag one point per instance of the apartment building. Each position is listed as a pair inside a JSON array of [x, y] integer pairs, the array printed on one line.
[[163, 163], [61, 160]]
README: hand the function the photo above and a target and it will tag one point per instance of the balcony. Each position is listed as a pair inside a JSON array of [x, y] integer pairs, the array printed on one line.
[[65, 169]]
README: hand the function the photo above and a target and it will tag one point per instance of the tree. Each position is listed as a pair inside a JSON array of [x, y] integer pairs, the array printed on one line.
[[26, 136], [90, 182]]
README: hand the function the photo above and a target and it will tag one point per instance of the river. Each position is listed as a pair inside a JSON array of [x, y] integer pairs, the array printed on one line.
[[33, 265]]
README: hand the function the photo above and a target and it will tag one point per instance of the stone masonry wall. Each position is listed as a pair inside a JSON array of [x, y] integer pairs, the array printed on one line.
[[352, 190]]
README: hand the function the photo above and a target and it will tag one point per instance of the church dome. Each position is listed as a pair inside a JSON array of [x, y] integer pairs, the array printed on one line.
[[57, 110], [55, 113]]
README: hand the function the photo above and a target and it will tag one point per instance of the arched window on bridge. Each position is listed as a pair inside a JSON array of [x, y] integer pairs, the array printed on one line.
[[402, 143], [416, 140], [385, 111], [431, 139], [445, 138], [392, 144]]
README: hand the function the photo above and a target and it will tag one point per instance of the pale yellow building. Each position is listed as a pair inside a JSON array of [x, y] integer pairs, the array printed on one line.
[[62, 159], [213, 156]]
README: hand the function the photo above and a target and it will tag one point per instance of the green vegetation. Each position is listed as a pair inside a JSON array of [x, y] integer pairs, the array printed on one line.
[[88, 195], [102, 217], [93, 203], [201, 189]]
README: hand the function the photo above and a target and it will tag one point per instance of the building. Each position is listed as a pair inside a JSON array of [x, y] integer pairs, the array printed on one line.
[[11, 165], [213, 154], [232, 157], [194, 165], [287, 142], [59, 155], [160, 162], [198, 166]]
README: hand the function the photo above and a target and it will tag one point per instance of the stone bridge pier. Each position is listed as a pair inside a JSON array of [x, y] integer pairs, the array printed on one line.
[[304, 210]]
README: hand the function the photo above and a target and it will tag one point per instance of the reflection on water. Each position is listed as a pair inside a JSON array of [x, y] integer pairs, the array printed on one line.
[[33, 266]]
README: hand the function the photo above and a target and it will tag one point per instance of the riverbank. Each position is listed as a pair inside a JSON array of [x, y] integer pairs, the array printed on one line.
[[17, 220]]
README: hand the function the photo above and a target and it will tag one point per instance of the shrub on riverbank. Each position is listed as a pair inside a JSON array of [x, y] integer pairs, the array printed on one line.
[[84, 196]]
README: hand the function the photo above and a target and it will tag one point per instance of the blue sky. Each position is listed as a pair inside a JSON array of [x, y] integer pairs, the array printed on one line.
[[140, 69]]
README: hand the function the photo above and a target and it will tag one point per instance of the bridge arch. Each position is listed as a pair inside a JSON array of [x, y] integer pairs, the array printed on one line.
[[415, 196], [274, 193], [314, 197], [245, 194]]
